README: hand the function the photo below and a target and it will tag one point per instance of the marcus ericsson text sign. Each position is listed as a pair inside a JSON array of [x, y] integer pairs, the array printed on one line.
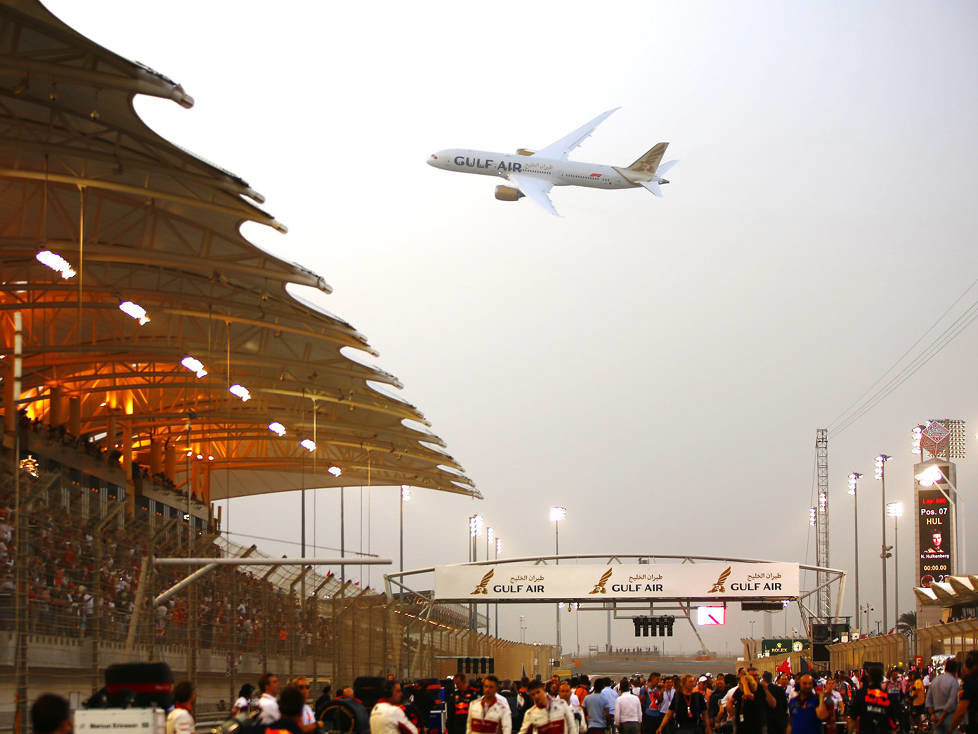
[[711, 581]]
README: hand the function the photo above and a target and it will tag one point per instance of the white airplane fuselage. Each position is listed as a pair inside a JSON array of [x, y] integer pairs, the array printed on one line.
[[557, 172]]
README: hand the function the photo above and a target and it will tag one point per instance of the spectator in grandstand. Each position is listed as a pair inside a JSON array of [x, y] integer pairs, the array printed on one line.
[[387, 716], [308, 718], [181, 719], [51, 714], [290, 703], [942, 698], [269, 687]]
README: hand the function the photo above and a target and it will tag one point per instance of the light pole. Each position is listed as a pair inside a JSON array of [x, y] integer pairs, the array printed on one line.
[[405, 497], [885, 551], [895, 510], [753, 642], [475, 528], [490, 541], [557, 514], [499, 547], [866, 609], [854, 478], [522, 629]]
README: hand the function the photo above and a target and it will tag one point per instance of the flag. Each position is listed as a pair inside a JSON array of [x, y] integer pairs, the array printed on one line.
[[785, 667], [805, 667], [524, 671]]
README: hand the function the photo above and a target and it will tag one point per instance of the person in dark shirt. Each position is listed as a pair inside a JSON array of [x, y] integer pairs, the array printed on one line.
[[777, 704], [872, 711], [290, 703], [968, 695], [714, 704], [688, 710], [808, 710], [749, 704]]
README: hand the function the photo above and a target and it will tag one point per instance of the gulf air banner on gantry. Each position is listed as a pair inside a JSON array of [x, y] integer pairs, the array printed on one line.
[[707, 581]]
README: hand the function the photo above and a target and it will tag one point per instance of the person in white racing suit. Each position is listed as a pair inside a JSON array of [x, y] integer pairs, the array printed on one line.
[[546, 716], [387, 717], [491, 713]]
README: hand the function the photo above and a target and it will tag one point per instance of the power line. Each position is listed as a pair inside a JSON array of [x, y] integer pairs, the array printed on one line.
[[863, 404], [292, 542]]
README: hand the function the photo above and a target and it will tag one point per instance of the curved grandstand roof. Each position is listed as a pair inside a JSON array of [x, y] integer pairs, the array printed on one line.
[[143, 220]]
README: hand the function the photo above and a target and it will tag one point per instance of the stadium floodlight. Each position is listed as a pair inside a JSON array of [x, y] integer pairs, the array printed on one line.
[[277, 428], [308, 444], [194, 365], [880, 463], [135, 311], [57, 263], [335, 471], [499, 546], [917, 434], [930, 476], [475, 526], [811, 516], [557, 514], [405, 493], [240, 391], [490, 535], [854, 478], [894, 509]]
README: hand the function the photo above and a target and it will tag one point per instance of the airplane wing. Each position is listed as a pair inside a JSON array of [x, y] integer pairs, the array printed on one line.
[[562, 148], [536, 189]]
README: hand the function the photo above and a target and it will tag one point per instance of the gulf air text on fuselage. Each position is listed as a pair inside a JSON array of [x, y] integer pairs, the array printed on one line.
[[480, 164]]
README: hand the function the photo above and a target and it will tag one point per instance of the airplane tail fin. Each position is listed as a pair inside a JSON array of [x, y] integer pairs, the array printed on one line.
[[645, 167]]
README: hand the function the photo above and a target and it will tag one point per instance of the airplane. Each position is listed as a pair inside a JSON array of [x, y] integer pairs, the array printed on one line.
[[534, 172]]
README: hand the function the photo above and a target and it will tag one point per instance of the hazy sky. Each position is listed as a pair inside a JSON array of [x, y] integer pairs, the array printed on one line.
[[657, 366]]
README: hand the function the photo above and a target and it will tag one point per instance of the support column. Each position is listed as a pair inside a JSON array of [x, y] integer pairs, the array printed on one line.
[[55, 407], [127, 468], [170, 462], [155, 457], [74, 416]]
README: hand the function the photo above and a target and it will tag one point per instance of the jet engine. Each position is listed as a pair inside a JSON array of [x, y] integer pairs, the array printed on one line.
[[508, 193]]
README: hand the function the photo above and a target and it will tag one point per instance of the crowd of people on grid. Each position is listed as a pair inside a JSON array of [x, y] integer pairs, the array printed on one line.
[[941, 701]]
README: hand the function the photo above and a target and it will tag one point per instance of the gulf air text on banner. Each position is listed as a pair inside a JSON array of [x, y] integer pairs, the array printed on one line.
[[707, 581]]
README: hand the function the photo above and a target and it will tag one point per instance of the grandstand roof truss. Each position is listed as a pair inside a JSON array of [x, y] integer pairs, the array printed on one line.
[[142, 220]]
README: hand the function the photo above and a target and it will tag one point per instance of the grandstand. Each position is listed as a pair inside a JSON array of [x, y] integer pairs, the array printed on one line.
[[168, 364]]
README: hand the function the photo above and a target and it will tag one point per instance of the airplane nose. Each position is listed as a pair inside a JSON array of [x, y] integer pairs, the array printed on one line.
[[433, 160]]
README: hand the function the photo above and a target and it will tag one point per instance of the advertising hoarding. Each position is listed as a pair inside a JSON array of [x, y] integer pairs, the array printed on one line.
[[711, 582]]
